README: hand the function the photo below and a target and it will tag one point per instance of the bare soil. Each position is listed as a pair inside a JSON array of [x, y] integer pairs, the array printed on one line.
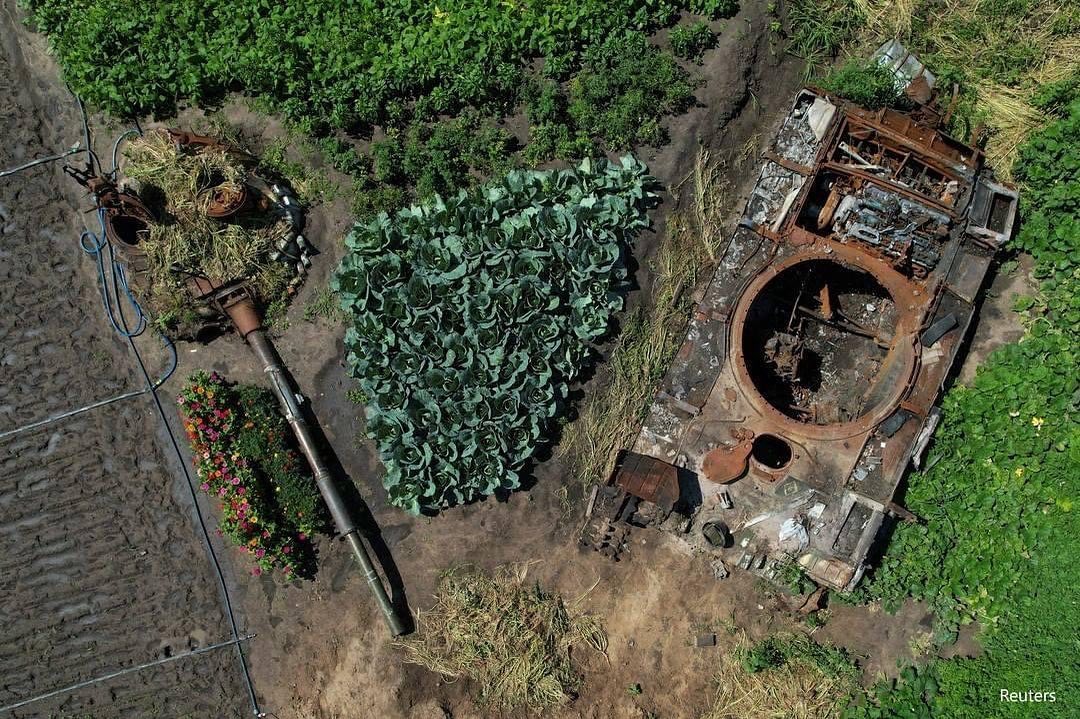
[[102, 565]]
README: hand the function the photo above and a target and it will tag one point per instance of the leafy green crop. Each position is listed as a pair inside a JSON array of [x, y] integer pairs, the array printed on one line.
[[625, 87], [691, 41], [438, 158], [325, 63], [471, 314], [1000, 498], [1049, 167]]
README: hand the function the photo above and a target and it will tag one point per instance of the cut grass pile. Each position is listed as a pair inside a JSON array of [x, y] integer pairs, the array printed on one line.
[[507, 635], [784, 677], [171, 180], [650, 336]]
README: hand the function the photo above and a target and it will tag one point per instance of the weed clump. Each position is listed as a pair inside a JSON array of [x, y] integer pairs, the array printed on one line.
[[866, 83], [691, 41], [784, 676], [507, 635]]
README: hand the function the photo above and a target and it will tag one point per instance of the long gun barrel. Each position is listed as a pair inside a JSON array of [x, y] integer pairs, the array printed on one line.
[[241, 310]]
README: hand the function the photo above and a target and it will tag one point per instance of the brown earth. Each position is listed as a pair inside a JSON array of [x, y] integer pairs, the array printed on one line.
[[103, 566]]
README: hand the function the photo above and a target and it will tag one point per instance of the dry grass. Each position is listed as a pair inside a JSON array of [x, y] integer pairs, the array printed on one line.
[[1003, 51], [507, 635], [1014, 120], [609, 419], [187, 238], [802, 687]]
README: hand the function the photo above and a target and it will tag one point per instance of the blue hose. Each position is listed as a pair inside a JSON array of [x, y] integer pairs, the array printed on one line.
[[116, 150], [115, 290]]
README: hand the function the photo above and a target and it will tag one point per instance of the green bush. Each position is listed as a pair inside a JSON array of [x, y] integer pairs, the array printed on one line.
[[714, 8], [325, 64], [471, 314], [555, 139], [691, 41], [440, 157], [866, 83], [343, 156], [999, 543], [625, 87]]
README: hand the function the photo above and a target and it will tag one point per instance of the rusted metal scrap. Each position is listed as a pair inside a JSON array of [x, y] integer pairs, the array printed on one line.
[[823, 340]]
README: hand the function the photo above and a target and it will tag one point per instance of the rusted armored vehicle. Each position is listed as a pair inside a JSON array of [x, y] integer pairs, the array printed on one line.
[[808, 378]]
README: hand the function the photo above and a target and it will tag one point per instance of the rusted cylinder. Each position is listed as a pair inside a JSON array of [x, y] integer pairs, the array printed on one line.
[[241, 311], [339, 510]]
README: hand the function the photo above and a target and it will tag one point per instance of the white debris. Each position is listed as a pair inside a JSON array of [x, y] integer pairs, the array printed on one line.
[[793, 536]]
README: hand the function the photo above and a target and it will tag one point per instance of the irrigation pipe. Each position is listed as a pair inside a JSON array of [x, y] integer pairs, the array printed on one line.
[[80, 410], [122, 672], [42, 160]]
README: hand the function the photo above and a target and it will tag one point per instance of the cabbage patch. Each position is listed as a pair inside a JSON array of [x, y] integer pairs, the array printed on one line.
[[470, 315]]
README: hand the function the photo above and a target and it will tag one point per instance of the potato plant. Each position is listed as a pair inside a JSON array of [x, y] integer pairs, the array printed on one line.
[[470, 316], [325, 64]]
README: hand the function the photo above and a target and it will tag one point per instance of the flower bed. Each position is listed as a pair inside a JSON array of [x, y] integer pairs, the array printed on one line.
[[243, 452]]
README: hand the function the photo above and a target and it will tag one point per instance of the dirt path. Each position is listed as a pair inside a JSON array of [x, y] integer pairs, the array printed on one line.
[[100, 565]]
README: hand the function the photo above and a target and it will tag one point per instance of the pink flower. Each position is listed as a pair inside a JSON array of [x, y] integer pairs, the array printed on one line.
[[221, 492], [286, 549], [256, 571], [204, 487], [260, 552], [235, 481], [302, 536], [241, 490]]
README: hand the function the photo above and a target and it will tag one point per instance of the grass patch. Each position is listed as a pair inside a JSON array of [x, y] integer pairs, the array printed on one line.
[[1000, 52], [324, 306], [784, 676], [510, 637], [650, 336]]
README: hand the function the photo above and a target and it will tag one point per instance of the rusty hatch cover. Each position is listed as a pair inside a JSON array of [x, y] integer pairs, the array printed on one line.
[[726, 464], [649, 478]]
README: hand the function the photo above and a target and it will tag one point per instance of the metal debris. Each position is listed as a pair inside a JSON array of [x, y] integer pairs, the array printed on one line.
[[807, 381]]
